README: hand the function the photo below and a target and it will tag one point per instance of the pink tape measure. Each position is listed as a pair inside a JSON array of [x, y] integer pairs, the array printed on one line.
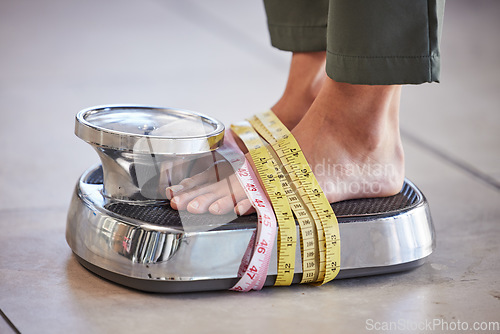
[[255, 262]]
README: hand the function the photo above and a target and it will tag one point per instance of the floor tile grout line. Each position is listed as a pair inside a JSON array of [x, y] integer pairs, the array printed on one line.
[[462, 165], [7, 320]]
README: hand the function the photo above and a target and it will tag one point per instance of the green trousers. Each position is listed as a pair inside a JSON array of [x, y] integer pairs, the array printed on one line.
[[373, 42]]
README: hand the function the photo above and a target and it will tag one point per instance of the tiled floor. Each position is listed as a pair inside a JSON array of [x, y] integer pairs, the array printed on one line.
[[58, 57]]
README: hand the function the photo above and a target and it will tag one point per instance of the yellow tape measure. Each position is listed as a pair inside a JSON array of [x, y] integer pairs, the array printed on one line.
[[309, 239], [289, 152], [266, 167]]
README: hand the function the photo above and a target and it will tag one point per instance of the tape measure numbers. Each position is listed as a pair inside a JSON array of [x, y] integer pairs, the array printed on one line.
[[266, 168], [308, 232], [306, 185], [255, 262]]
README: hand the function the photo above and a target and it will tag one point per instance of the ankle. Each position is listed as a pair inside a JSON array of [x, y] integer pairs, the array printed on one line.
[[291, 108], [307, 74], [306, 77], [365, 115]]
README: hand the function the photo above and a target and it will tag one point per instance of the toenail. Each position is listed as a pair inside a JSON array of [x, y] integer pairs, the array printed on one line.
[[194, 205], [176, 188], [215, 207]]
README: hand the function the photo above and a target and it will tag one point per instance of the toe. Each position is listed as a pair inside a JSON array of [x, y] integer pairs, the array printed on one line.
[[173, 191], [244, 207], [207, 194], [222, 206], [201, 203], [181, 201]]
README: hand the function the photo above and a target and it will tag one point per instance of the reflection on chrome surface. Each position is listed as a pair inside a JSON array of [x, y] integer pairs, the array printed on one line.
[[149, 251]]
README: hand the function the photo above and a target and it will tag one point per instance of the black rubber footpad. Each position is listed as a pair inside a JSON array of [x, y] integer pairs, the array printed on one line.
[[166, 216], [404, 200]]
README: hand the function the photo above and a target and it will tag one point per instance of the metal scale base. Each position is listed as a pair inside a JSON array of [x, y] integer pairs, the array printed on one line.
[[146, 247]]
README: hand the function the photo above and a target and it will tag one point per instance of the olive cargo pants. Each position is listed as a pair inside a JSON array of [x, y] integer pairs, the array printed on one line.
[[377, 42]]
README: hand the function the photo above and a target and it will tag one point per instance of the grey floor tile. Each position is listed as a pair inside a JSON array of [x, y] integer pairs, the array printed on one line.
[[44, 288], [62, 57], [6, 326], [460, 116]]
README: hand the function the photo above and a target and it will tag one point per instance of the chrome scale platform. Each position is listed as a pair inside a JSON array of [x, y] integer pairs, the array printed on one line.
[[145, 245]]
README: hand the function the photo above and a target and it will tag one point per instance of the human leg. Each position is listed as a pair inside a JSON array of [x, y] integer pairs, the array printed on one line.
[[350, 137], [305, 78], [299, 26], [350, 134]]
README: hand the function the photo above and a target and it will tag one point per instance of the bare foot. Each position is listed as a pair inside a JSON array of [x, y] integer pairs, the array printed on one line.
[[350, 137], [216, 190]]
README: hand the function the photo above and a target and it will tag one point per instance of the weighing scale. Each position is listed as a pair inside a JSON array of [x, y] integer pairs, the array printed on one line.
[[120, 225]]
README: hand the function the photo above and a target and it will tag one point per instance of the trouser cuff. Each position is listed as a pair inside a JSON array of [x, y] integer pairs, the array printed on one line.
[[298, 39], [382, 70]]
